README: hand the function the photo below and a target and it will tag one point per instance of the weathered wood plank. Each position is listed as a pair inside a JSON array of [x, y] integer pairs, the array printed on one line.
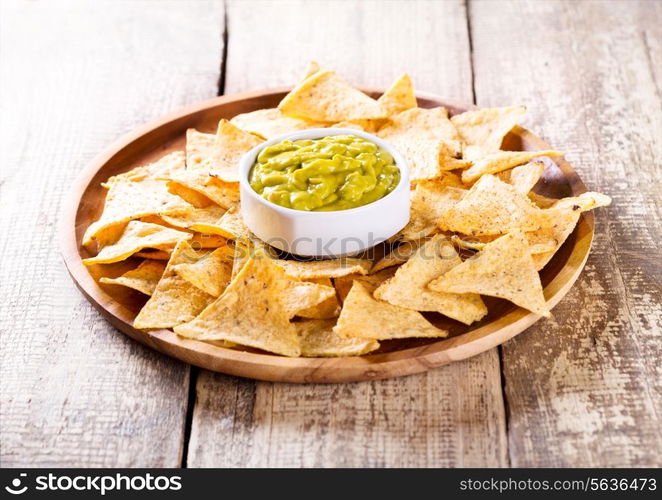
[[585, 388], [75, 76], [452, 416]]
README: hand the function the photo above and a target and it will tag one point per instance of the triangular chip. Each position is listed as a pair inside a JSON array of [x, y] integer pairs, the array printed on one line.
[[269, 123], [329, 268], [256, 308], [364, 317], [398, 255], [134, 195], [154, 254], [423, 124], [194, 219], [491, 207], [408, 288], [504, 269], [199, 180], [399, 97], [370, 282], [483, 129], [318, 340], [524, 177], [330, 308], [200, 149], [500, 161], [143, 278], [175, 300], [136, 236], [311, 68], [426, 158], [231, 144], [429, 202], [211, 273], [326, 97], [231, 225]]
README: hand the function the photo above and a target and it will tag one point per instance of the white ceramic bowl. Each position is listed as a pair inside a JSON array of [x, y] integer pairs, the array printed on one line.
[[325, 234]]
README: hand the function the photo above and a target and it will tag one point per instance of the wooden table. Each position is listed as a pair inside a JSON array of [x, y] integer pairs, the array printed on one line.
[[581, 389]]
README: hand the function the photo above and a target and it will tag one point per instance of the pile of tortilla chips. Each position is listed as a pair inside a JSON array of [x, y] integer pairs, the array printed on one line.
[[476, 229]]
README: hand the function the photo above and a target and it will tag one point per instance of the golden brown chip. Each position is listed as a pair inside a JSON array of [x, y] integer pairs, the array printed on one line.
[[318, 340], [483, 129], [408, 288], [133, 195], [504, 268], [370, 282], [541, 201], [398, 255], [500, 161], [143, 278], [200, 149], [326, 97], [269, 123], [231, 144], [329, 268], [362, 316], [175, 300], [231, 225], [426, 158], [311, 68], [429, 202], [491, 207], [524, 177], [211, 273], [136, 236], [199, 180], [207, 240], [194, 219], [154, 254], [330, 308], [399, 97]]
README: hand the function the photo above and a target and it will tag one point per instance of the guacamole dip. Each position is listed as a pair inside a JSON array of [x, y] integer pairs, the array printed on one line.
[[333, 173]]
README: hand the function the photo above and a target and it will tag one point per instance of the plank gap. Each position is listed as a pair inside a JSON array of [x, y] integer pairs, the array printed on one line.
[[224, 50], [506, 407], [467, 16], [190, 407]]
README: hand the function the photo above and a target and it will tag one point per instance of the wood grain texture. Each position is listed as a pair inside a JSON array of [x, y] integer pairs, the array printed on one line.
[[452, 416], [585, 389], [75, 76]]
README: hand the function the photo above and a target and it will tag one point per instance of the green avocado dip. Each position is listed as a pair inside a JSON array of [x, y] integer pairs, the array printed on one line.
[[333, 173]]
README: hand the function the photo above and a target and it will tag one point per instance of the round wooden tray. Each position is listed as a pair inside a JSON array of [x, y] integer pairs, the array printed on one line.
[[395, 358]]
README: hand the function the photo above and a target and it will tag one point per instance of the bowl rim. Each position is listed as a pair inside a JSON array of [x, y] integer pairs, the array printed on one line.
[[248, 160]]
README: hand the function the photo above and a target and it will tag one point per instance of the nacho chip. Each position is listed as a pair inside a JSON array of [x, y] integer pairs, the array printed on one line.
[[175, 300], [136, 236], [504, 269], [256, 308], [329, 268], [500, 161], [541, 201], [210, 273], [330, 308], [207, 240], [311, 68], [269, 123], [398, 255], [491, 207], [154, 254], [370, 282], [200, 149], [483, 129], [225, 194], [134, 195], [399, 97], [423, 123], [194, 219], [408, 288], [231, 225], [143, 278], [524, 177], [318, 340], [362, 316], [231, 144], [326, 97], [429, 202]]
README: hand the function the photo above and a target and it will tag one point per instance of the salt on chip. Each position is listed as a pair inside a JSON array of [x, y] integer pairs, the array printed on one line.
[[491, 207], [399, 97], [175, 300], [231, 144], [324, 96], [500, 161], [330, 308], [200, 149], [483, 129], [137, 236], [318, 340], [256, 308], [370, 282], [524, 177], [328, 268], [429, 202], [211, 273], [269, 123], [504, 268], [362, 316], [200, 182], [408, 288], [143, 278]]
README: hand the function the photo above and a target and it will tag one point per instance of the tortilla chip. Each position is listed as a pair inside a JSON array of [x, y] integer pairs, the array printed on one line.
[[483, 130], [408, 288], [500, 161], [362, 316], [541, 201], [143, 278], [194, 219], [134, 195], [398, 255], [154, 254], [206, 240], [269, 123], [326, 97], [175, 300], [231, 144], [504, 268], [200, 149], [211, 273], [399, 97], [330, 308], [429, 202], [329, 268], [136, 236], [423, 123], [256, 308], [524, 177], [311, 68], [231, 225], [318, 340], [199, 180], [370, 282], [491, 207]]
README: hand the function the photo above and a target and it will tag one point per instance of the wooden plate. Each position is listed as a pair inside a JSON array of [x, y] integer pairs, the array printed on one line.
[[395, 358]]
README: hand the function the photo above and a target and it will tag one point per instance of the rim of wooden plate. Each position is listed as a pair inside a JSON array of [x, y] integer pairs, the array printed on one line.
[[319, 370]]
